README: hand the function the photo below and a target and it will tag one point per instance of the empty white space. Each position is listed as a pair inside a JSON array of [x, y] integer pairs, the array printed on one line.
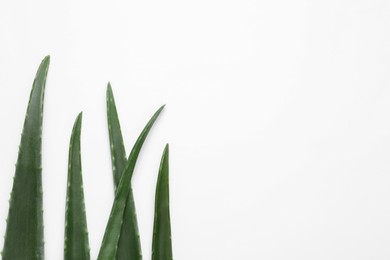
[[277, 116]]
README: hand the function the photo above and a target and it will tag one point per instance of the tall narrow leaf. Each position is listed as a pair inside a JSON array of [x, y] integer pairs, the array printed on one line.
[[24, 234], [118, 152], [162, 243], [76, 234], [109, 247], [129, 245]]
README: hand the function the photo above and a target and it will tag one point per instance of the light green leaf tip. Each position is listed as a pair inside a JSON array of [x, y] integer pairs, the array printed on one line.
[[24, 234], [109, 247], [129, 245], [76, 245], [162, 241]]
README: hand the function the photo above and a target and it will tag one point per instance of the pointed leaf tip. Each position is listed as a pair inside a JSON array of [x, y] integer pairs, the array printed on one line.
[[79, 118], [76, 244], [24, 232], [109, 249], [162, 244], [109, 88], [129, 244], [45, 62]]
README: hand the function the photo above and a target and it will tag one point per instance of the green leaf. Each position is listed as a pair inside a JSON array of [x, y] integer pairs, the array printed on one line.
[[129, 245], [162, 242], [109, 247], [24, 234], [76, 233], [118, 152]]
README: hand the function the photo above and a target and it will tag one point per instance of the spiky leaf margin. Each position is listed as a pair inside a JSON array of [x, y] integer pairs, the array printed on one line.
[[109, 247], [129, 245], [24, 234], [76, 244]]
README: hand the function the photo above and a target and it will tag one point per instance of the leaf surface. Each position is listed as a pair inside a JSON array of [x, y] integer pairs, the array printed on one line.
[[162, 242], [76, 246], [129, 245], [109, 247], [24, 233]]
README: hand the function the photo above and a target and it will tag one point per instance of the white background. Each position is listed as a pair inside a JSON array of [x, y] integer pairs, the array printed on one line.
[[278, 119]]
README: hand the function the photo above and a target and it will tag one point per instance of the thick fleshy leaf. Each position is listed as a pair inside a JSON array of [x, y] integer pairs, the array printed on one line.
[[76, 246], [118, 152], [109, 247], [162, 242], [24, 234], [129, 245]]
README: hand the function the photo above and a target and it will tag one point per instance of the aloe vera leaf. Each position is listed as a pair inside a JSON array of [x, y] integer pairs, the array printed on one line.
[[118, 152], [76, 245], [162, 242], [109, 247], [129, 245], [24, 232]]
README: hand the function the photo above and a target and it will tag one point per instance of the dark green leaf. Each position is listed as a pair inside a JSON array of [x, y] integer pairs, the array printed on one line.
[[76, 233], [118, 153], [108, 250], [162, 242], [24, 234], [129, 245]]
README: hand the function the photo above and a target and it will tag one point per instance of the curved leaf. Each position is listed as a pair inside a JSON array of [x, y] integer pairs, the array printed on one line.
[[129, 245], [109, 247], [162, 242], [76, 246], [24, 234]]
